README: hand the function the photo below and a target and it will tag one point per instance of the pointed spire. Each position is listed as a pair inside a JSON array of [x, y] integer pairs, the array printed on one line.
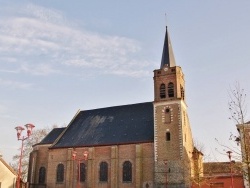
[[167, 54]]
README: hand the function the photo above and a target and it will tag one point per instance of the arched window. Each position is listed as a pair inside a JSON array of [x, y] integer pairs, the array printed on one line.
[[103, 176], [162, 91], [168, 136], [170, 89], [42, 175], [167, 115], [127, 171], [82, 172], [60, 173]]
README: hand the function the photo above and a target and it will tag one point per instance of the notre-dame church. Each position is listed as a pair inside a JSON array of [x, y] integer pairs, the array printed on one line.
[[142, 145]]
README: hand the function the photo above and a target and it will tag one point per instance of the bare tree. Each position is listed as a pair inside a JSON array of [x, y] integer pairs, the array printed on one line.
[[36, 137], [238, 113], [237, 104]]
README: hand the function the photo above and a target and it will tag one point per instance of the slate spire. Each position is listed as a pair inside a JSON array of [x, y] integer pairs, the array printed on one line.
[[167, 54]]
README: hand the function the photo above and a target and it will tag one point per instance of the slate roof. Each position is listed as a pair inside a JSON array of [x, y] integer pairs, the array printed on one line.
[[52, 136], [167, 54], [110, 126]]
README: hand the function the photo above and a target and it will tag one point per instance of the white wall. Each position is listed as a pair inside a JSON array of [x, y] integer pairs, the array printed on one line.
[[7, 177]]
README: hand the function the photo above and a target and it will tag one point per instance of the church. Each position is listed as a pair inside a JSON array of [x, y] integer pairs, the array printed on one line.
[[145, 145]]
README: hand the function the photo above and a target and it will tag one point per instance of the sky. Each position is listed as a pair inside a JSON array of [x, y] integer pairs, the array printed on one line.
[[58, 57]]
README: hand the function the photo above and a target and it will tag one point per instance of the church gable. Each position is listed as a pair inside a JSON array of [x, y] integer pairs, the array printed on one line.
[[110, 126]]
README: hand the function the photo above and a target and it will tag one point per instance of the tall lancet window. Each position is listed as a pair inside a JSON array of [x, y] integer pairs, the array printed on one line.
[[127, 171], [162, 91], [170, 89], [103, 173], [82, 172], [42, 175], [60, 173]]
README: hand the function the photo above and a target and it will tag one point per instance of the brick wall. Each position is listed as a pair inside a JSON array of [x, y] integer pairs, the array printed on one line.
[[140, 155]]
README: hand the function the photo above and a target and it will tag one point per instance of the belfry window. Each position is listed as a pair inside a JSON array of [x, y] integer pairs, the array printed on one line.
[[162, 91], [182, 93], [42, 175], [60, 173], [127, 171], [82, 172], [168, 136], [170, 89], [103, 173]]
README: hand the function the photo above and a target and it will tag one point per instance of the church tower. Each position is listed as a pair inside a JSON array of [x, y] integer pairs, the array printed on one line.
[[173, 144]]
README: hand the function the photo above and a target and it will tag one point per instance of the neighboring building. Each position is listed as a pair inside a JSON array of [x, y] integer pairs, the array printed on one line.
[[198, 169], [220, 174], [244, 139], [7, 175], [137, 145]]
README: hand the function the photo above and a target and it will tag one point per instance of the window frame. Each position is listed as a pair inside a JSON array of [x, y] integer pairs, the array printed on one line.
[[42, 175], [103, 172], [168, 136], [60, 173], [82, 172], [170, 89], [162, 91], [127, 168]]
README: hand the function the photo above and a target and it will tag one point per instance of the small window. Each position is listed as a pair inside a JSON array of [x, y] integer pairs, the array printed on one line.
[[127, 171], [167, 136], [42, 175], [162, 91], [167, 115], [103, 176], [60, 173], [170, 89], [82, 172], [182, 93]]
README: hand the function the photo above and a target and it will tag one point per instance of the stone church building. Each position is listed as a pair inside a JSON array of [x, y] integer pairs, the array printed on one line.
[[131, 146]]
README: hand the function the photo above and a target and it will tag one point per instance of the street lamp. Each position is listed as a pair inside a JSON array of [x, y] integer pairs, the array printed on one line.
[[166, 163], [231, 171], [84, 157], [19, 130]]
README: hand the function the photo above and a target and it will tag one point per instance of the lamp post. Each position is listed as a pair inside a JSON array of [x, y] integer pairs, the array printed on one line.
[[231, 171], [166, 163], [19, 130], [84, 157]]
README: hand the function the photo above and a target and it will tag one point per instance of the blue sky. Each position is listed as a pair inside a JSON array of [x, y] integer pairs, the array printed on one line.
[[60, 56]]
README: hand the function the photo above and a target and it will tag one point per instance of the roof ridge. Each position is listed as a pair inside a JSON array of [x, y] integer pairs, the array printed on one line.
[[117, 106]]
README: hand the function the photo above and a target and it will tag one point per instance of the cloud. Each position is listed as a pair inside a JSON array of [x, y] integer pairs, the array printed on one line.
[[42, 41], [14, 84], [41, 69]]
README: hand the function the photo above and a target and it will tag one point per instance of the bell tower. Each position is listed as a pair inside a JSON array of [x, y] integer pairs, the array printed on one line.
[[173, 144]]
